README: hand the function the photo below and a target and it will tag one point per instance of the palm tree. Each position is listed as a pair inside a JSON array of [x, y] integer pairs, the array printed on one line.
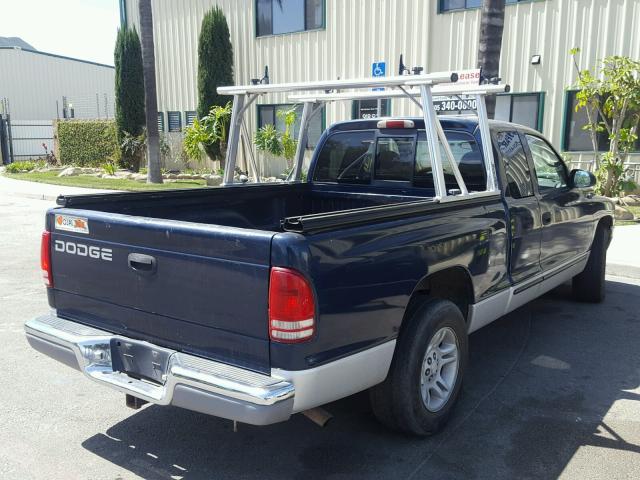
[[490, 44], [150, 94]]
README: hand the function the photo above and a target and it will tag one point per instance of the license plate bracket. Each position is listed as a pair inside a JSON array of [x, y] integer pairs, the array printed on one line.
[[139, 359]]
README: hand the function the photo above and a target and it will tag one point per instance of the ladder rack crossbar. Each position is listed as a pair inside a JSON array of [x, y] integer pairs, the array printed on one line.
[[371, 82], [440, 90]]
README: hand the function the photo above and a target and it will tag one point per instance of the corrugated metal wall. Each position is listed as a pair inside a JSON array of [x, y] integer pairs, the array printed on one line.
[[34, 82], [359, 32]]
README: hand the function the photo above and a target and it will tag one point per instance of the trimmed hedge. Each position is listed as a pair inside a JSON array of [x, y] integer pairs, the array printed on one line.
[[86, 143]]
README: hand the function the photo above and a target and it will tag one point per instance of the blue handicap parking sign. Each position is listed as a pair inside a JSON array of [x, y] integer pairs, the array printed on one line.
[[378, 69]]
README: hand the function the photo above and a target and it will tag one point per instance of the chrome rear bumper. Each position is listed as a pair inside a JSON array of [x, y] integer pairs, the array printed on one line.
[[189, 382]]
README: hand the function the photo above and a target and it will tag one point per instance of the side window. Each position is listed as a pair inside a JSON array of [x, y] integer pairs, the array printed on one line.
[[550, 170], [394, 159], [467, 155], [346, 157], [515, 164]]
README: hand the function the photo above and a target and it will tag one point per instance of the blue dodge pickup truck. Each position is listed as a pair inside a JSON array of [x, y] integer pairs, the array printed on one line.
[[255, 302]]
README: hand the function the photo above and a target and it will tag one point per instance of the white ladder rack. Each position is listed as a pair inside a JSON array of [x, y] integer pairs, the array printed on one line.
[[418, 88]]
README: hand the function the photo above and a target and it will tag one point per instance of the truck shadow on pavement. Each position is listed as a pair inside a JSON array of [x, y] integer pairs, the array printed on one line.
[[547, 383]]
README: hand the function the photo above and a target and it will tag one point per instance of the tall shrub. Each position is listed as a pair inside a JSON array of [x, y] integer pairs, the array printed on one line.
[[215, 66], [129, 88], [86, 143]]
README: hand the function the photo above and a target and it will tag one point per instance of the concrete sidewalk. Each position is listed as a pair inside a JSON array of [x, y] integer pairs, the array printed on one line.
[[623, 256], [40, 191]]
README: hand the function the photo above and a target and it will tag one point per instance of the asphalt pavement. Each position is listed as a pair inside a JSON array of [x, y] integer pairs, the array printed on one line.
[[553, 391]]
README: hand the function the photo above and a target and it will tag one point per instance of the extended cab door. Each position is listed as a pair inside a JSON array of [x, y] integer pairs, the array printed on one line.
[[566, 229], [522, 205]]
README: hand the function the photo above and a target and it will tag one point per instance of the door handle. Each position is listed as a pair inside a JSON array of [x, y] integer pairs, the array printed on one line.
[[546, 218], [142, 263]]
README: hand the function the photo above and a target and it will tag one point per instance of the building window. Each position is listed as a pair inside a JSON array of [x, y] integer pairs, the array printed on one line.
[[448, 5], [160, 121], [175, 121], [574, 137], [288, 16], [268, 114], [189, 117], [369, 108], [521, 108]]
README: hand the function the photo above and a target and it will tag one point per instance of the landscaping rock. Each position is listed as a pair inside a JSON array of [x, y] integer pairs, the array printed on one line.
[[632, 200], [214, 180], [170, 176], [622, 213], [70, 172], [139, 177]]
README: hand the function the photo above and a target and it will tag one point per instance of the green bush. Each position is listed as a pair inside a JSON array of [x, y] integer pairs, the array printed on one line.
[[86, 143], [215, 68], [129, 89], [24, 166]]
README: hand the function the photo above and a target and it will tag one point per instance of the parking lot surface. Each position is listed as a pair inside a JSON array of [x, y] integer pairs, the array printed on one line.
[[553, 391]]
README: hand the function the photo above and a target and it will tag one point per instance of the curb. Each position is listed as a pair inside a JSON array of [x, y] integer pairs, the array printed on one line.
[[35, 196], [627, 271]]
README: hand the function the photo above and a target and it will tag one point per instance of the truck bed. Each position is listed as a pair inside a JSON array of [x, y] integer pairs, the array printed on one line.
[[259, 207]]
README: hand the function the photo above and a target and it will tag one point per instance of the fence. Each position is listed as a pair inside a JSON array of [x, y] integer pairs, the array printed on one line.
[[88, 107], [27, 139]]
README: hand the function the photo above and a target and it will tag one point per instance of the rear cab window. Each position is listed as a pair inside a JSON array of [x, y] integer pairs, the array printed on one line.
[[372, 157], [346, 157]]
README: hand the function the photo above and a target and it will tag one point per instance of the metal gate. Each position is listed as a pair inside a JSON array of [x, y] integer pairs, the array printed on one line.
[[27, 139], [5, 152]]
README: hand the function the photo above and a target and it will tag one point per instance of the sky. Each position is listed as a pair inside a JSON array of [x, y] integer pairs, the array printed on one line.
[[84, 29]]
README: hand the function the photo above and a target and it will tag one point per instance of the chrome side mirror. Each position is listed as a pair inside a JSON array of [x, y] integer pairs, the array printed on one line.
[[581, 179]]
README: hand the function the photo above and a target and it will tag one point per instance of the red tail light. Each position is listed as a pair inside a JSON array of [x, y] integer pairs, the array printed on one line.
[[291, 307], [45, 259]]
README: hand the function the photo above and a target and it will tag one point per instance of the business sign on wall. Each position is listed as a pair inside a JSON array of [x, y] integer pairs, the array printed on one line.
[[459, 103]]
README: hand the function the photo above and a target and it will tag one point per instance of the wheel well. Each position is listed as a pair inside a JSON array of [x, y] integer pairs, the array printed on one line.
[[606, 222], [452, 284]]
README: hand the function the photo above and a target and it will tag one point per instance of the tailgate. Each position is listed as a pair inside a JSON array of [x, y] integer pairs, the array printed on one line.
[[194, 287]]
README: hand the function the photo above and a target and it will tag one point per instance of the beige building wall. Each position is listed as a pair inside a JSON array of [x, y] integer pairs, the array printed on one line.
[[359, 32], [33, 83]]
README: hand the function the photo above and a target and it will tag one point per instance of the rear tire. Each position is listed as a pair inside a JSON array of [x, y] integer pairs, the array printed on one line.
[[430, 357], [589, 286]]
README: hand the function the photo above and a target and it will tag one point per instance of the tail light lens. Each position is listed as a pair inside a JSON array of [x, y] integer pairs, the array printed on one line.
[[291, 307], [45, 259], [395, 124]]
